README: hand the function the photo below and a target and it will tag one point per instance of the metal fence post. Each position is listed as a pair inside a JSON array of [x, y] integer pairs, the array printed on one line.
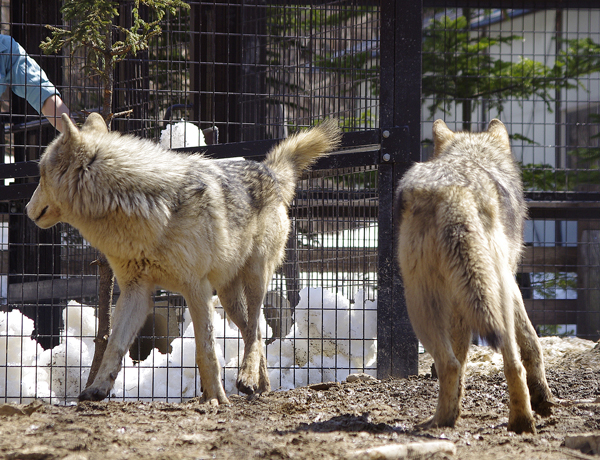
[[400, 33]]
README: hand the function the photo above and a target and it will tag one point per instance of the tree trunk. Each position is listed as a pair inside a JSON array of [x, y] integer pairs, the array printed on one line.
[[107, 98], [466, 115], [105, 292], [467, 107], [107, 279]]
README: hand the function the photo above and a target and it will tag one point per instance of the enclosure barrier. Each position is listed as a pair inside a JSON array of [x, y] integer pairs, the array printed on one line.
[[237, 76]]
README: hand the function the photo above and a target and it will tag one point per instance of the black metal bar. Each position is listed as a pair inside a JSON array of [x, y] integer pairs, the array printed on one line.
[[503, 4], [256, 150], [407, 113], [563, 196], [385, 282], [36, 122], [218, 77], [348, 160], [561, 210], [17, 192], [323, 2], [335, 161], [20, 169], [400, 120]]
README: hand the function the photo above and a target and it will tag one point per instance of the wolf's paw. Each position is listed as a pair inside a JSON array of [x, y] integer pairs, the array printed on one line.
[[542, 401], [435, 422], [247, 385], [92, 394], [426, 424], [543, 408], [214, 401], [521, 424], [252, 384]]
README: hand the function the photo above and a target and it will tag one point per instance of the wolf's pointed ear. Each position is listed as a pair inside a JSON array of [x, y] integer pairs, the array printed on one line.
[[442, 136], [70, 133], [497, 128], [95, 122]]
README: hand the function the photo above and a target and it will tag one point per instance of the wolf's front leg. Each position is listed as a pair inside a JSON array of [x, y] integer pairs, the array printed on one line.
[[132, 309]]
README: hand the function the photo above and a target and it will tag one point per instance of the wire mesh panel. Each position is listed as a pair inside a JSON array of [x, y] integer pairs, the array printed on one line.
[[265, 69], [38, 268], [228, 78], [538, 71], [219, 73]]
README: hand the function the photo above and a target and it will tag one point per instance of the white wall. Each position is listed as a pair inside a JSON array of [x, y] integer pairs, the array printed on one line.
[[531, 118]]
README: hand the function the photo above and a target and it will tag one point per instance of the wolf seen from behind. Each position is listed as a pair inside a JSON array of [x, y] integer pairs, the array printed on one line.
[[459, 218], [184, 222]]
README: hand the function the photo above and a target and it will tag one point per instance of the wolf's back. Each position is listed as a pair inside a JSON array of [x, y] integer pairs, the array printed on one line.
[[296, 153]]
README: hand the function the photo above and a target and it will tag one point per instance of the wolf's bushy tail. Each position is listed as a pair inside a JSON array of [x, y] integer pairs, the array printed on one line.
[[478, 269], [296, 153]]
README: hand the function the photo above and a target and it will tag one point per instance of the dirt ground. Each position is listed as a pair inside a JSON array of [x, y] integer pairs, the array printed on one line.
[[328, 421]]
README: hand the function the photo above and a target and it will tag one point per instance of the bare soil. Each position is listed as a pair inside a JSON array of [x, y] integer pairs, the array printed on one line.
[[327, 421]]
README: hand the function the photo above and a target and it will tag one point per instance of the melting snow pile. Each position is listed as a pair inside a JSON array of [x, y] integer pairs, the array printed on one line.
[[331, 338], [28, 370], [485, 361], [329, 334], [181, 134]]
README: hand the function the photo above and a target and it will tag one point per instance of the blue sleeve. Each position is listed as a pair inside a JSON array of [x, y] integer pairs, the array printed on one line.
[[25, 77]]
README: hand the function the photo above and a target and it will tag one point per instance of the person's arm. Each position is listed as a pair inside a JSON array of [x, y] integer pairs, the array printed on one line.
[[29, 81], [53, 108]]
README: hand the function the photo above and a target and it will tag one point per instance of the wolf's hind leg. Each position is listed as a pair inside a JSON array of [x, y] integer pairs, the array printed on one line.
[[447, 342], [531, 356], [241, 300], [130, 313], [520, 417], [201, 311], [253, 376], [448, 370], [450, 355], [461, 336]]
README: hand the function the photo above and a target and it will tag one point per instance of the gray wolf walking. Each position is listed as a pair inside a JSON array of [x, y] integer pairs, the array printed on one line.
[[460, 236], [184, 222]]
